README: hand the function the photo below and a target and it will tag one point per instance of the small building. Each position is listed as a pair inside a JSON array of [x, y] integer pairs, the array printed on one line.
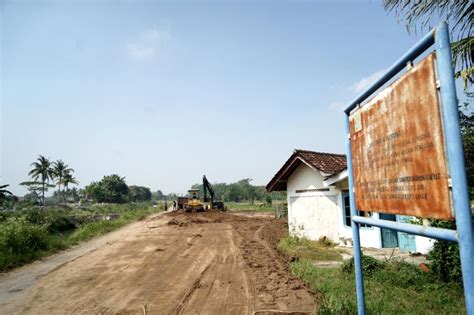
[[318, 204]]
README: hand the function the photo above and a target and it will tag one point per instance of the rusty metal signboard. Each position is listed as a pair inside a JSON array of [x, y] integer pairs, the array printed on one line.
[[397, 148]]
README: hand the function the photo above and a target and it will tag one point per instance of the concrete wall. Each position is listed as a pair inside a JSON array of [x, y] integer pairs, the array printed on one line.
[[311, 214], [316, 214]]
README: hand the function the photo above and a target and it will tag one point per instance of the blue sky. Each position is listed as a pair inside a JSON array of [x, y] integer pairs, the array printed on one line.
[[164, 92]]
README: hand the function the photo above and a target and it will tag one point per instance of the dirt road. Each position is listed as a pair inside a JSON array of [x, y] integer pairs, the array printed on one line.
[[176, 263]]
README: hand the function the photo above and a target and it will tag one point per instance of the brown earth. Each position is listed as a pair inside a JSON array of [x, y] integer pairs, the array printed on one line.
[[176, 263]]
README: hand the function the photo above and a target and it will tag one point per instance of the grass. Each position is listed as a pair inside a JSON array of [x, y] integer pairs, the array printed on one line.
[[247, 206], [397, 288], [29, 235], [94, 229], [307, 249], [393, 287]]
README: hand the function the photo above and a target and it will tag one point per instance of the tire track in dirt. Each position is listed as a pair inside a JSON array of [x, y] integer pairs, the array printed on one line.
[[178, 263], [275, 289], [194, 286]]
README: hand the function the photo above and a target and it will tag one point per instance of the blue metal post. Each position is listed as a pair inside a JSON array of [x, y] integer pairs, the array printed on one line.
[[455, 154], [442, 234], [355, 228]]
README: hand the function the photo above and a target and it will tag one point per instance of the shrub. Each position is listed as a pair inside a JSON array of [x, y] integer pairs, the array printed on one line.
[[370, 265], [307, 249], [403, 275], [323, 240], [445, 260], [21, 241], [55, 220], [268, 199]]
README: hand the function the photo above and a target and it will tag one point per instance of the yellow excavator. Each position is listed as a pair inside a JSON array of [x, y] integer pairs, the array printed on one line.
[[194, 203]]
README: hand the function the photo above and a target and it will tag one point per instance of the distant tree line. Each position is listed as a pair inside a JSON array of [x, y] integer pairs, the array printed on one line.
[[46, 174], [240, 191]]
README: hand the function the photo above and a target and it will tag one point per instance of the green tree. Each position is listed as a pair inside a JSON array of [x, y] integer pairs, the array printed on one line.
[[424, 14], [466, 121], [159, 195], [42, 170], [35, 188], [69, 179], [59, 171], [139, 193], [4, 193], [112, 189]]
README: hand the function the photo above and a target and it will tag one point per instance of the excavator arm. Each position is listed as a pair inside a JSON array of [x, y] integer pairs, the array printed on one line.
[[207, 188]]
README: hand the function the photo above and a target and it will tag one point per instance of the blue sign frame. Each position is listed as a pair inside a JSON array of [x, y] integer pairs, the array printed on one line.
[[439, 38]]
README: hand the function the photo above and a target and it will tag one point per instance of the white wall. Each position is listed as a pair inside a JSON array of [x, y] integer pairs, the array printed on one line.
[[311, 214], [316, 214], [424, 244], [304, 177], [369, 237]]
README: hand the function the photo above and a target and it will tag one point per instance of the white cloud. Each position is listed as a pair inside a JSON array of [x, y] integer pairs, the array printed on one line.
[[147, 44], [365, 82]]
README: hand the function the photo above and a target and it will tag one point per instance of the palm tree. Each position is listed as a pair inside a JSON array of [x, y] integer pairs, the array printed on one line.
[[459, 14], [68, 178], [41, 169], [59, 170], [4, 192]]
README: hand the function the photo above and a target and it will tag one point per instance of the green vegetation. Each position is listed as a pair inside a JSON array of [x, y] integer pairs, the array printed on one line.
[[466, 121], [393, 287], [139, 193], [59, 172], [247, 206], [26, 235], [42, 170], [445, 259], [46, 174], [111, 189], [387, 283], [307, 249], [242, 191], [424, 15]]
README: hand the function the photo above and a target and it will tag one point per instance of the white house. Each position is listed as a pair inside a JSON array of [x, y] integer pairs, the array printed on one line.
[[318, 204]]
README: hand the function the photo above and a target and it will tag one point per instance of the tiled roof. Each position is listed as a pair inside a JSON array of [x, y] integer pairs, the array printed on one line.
[[327, 163]]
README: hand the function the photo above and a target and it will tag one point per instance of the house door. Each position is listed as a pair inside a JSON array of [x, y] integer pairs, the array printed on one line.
[[407, 241], [389, 237]]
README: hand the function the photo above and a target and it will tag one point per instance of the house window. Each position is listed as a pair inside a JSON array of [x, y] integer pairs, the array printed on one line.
[[346, 207]]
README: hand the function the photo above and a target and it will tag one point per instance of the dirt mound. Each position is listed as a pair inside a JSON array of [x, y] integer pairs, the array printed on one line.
[[177, 222]]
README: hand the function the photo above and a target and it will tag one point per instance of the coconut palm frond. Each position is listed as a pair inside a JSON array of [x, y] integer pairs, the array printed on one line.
[[423, 15]]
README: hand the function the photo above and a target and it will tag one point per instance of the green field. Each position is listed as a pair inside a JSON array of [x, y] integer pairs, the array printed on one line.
[[247, 206]]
